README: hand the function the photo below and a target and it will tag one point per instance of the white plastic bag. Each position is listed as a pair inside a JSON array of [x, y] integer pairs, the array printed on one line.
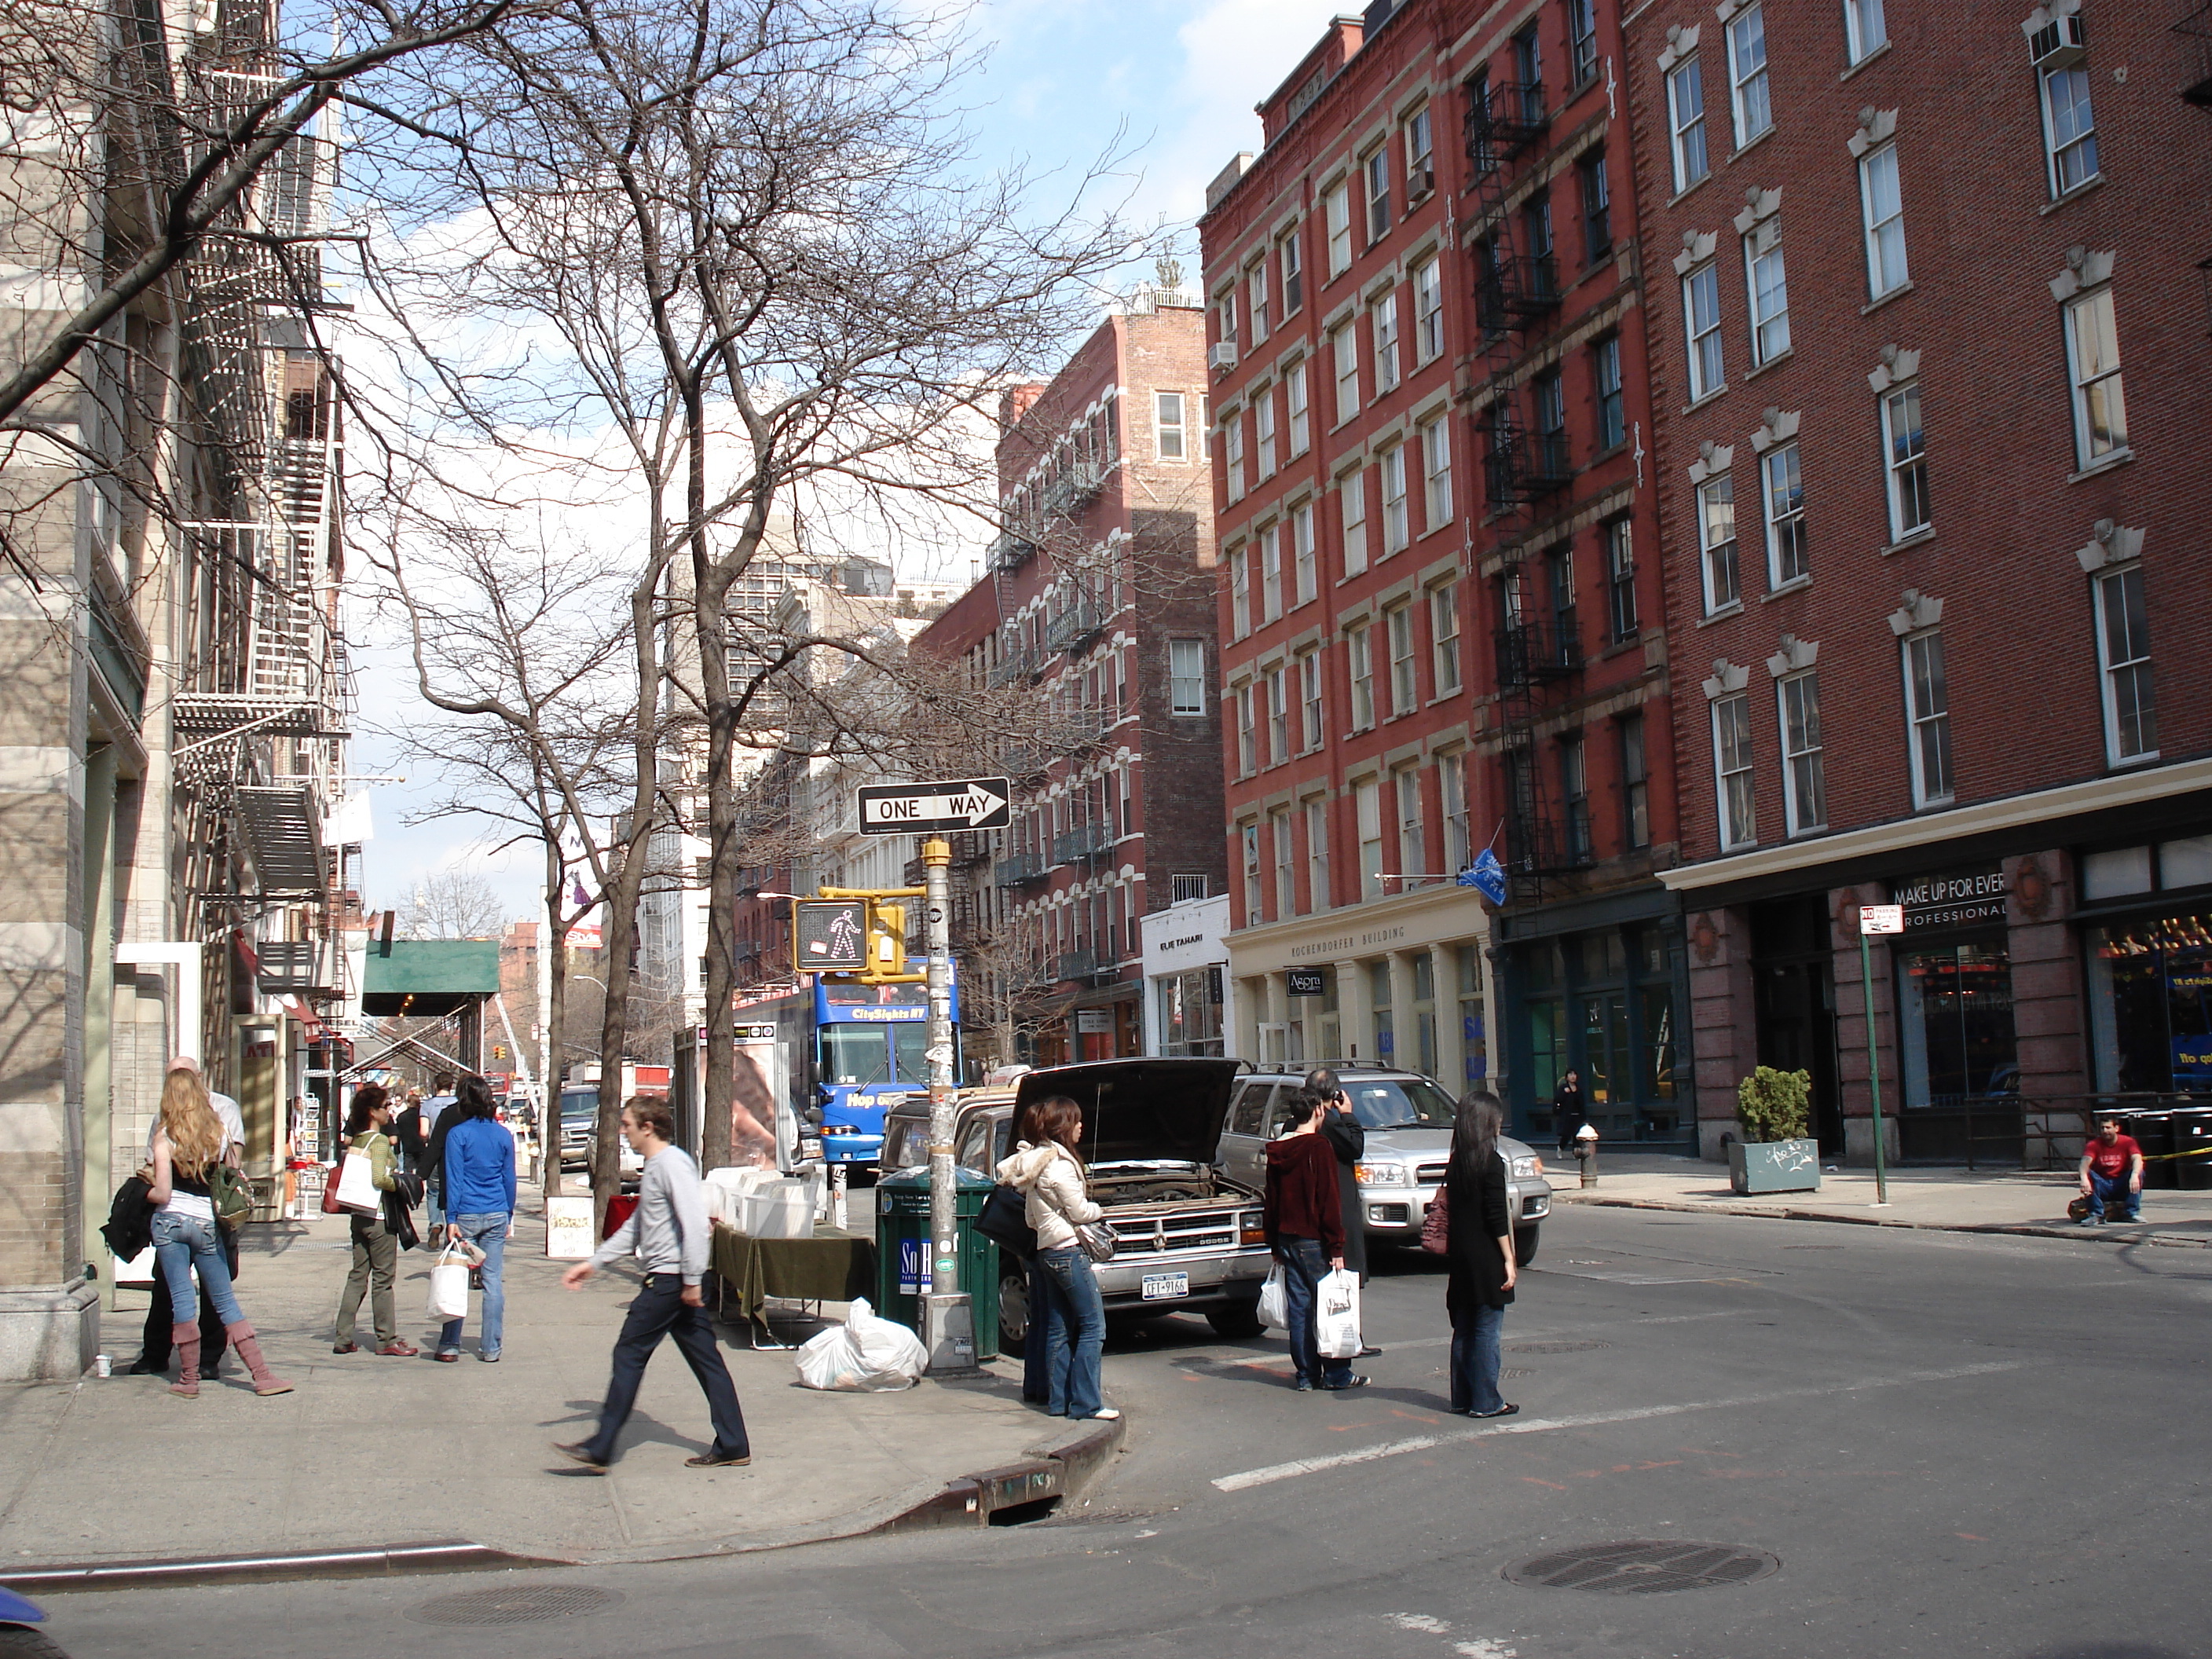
[[357, 1185], [864, 1355], [449, 1285], [1275, 1300], [1336, 1315]]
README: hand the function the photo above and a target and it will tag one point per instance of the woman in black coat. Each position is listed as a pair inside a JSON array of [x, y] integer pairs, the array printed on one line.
[[1567, 1112], [1479, 1251]]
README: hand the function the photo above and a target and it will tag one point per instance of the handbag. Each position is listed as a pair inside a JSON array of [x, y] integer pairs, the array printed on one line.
[[1005, 1220], [1097, 1240], [330, 1179], [1436, 1224], [231, 1195], [357, 1189]]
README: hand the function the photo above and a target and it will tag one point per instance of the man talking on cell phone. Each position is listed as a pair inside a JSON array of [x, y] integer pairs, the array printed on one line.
[[1347, 1139]]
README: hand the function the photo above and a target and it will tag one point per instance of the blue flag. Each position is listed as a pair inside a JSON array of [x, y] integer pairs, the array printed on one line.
[[1486, 876]]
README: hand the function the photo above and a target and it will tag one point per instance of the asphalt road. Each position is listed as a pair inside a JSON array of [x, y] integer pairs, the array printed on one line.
[[1950, 1445]]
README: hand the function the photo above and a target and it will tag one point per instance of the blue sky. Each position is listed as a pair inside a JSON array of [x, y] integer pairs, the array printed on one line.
[[1064, 81]]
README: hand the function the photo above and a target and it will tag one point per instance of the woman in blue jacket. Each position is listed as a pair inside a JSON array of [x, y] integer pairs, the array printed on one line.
[[478, 1164]]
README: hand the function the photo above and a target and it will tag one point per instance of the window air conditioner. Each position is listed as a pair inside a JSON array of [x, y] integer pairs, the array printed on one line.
[[1222, 357], [1424, 180], [2058, 43]]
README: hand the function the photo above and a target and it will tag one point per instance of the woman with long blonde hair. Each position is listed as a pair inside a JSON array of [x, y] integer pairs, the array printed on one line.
[[188, 1145]]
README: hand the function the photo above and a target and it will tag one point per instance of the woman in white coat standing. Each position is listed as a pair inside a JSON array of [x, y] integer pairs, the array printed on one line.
[[1045, 1168]]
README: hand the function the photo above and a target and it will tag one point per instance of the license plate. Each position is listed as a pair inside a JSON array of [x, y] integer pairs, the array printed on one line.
[[1166, 1287]]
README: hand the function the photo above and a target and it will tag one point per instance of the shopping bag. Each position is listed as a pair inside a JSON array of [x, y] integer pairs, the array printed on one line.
[[449, 1285], [865, 1355], [357, 1185], [1336, 1315], [1275, 1300]]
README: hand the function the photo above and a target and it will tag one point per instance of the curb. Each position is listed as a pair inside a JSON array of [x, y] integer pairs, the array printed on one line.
[[1784, 1213], [1049, 1475], [440, 1555]]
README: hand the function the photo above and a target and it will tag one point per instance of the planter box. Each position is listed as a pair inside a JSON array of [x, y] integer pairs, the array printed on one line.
[[1775, 1166]]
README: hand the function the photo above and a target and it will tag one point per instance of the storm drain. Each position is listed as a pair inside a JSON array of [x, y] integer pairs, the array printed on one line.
[[1514, 1373], [1643, 1567], [1556, 1347], [520, 1604]]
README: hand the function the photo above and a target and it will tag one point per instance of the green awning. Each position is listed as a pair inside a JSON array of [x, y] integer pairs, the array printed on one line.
[[429, 977]]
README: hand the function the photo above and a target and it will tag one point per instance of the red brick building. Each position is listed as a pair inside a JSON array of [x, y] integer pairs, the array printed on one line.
[[1441, 618], [1934, 505], [1100, 596]]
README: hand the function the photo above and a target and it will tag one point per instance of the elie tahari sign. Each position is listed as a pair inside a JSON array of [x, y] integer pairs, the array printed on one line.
[[1957, 898]]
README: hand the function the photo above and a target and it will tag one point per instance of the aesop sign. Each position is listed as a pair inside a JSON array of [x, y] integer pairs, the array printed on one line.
[[1958, 898]]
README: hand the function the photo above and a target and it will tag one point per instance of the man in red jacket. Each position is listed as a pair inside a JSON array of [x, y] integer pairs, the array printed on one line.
[[1305, 1220]]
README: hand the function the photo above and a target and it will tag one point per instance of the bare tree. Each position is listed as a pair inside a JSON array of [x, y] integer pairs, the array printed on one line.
[[452, 904]]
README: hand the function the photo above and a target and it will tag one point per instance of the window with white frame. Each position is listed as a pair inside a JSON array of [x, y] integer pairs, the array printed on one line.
[[1168, 425], [1186, 676], [1784, 478], [1428, 311], [2093, 352], [1232, 454], [1443, 636], [1905, 447], [2069, 130], [1367, 805], [1249, 833], [1240, 592], [1435, 472], [1313, 712], [1263, 431], [1882, 202], [1701, 323], [1294, 275], [1375, 174], [1294, 396], [1753, 95], [1405, 695], [1864, 28], [1351, 504], [1582, 39], [1393, 500], [1384, 322], [1318, 897], [1412, 834], [1302, 553], [1716, 536], [1255, 299], [1686, 115], [1765, 280], [1271, 573], [1928, 718], [1732, 770], [1246, 761], [2123, 655], [1224, 312], [1183, 888], [1804, 786], [1359, 655], [1621, 578], [1451, 792], [1278, 716], [1279, 837], [1336, 215], [1344, 356], [1420, 155]]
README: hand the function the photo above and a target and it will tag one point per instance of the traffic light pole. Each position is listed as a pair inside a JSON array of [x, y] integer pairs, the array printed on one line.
[[948, 1314]]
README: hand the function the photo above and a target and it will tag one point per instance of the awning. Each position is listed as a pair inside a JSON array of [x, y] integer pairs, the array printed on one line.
[[421, 977]]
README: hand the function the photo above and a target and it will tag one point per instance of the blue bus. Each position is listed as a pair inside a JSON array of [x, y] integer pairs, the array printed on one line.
[[852, 1051]]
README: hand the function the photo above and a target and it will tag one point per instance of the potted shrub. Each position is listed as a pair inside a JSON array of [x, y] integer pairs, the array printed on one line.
[[1774, 1108]]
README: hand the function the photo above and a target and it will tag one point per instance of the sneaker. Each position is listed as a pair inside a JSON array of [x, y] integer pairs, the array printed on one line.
[[1349, 1382], [580, 1452], [345, 1347], [445, 1358], [488, 1358], [712, 1461], [1303, 1386], [1507, 1410], [1106, 1414], [1368, 1352]]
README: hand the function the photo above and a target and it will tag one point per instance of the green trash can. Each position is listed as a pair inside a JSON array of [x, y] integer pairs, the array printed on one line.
[[903, 1252]]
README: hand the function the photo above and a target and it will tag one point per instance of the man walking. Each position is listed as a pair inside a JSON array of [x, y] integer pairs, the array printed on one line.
[[2112, 1172], [434, 1146], [156, 1340], [1304, 1223], [669, 1232]]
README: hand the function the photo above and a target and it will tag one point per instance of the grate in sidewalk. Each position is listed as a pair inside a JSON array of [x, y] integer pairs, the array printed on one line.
[[1643, 1567], [517, 1604]]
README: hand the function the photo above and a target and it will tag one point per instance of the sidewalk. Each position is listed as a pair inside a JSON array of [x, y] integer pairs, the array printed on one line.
[[1950, 1198], [370, 1451]]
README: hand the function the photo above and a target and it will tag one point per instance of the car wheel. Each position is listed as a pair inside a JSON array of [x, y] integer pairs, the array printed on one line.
[[1524, 1244], [1236, 1321], [1013, 1311], [20, 1642]]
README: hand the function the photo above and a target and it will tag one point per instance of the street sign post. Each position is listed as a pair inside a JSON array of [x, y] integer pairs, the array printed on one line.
[[1875, 918], [936, 809], [948, 1313]]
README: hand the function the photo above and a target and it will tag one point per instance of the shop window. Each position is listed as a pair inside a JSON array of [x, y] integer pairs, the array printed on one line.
[[1378, 998], [1656, 1070], [1606, 1062], [1473, 1034], [2150, 1005], [1956, 1024], [1546, 1047], [1424, 1014]]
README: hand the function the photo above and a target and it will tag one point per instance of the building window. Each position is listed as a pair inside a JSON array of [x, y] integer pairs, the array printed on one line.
[[1263, 431], [1186, 676], [1279, 835], [1256, 291], [1444, 634], [1420, 155], [1435, 472], [1294, 394], [1528, 70], [1928, 712], [1271, 573], [1312, 709], [1249, 832], [1232, 454], [1598, 206], [1294, 276], [1393, 500], [1701, 323], [1754, 105], [1352, 501], [1732, 768], [1359, 651], [1786, 556], [1302, 550], [1183, 887], [1428, 311], [1906, 448], [1582, 39], [1376, 174], [1863, 28], [2123, 651], [1611, 409], [2070, 132], [1385, 324], [1717, 532], [1883, 204], [1404, 692], [1549, 392], [1318, 897], [2093, 352], [1769, 289], [1336, 214], [1224, 312], [1344, 353], [1168, 425], [1635, 783], [1247, 758], [1574, 788], [1412, 850], [1452, 788], [1619, 578], [1240, 594], [1686, 113], [1805, 793], [1367, 800], [1278, 717]]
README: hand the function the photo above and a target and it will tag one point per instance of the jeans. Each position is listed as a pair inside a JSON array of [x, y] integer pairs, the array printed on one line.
[[182, 1243], [1080, 1341], [2104, 1188], [1474, 1358], [1048, 1329], [660, 1311], [375, 1263], [162, 1319], [489, 1234], [1304, 1268], [433, 1197]]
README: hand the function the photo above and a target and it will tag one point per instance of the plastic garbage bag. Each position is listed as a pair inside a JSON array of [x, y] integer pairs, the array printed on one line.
[[866, 1354], [1336, 1315], [1275, 1300]]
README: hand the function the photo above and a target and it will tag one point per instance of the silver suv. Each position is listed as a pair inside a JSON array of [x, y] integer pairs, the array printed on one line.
[[1408, 1118]]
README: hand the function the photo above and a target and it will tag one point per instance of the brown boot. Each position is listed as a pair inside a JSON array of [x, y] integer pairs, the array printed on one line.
[[247, 1346], [185, 1339]]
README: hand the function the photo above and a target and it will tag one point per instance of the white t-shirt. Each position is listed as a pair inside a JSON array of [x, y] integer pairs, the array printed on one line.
[[226, 1108]]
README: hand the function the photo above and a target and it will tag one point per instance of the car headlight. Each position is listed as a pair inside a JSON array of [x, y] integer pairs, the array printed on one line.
[[1382, 1175], [1525, 1169]]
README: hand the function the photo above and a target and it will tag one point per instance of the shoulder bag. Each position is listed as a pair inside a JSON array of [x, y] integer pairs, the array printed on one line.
[[1005, 1221], [1436, 1226], [1097, 1240], [231, 1194]]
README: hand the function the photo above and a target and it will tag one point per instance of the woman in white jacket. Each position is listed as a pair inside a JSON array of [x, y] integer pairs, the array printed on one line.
[[1044, 1167]]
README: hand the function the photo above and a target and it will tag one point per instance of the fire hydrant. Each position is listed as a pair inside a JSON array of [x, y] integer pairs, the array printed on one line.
[[1586, 1153]]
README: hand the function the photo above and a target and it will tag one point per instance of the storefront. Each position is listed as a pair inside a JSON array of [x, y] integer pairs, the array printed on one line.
[[1187, 998], [2147, 941]]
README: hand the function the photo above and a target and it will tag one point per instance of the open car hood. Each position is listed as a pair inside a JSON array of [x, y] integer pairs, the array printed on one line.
[[1162, 1109]]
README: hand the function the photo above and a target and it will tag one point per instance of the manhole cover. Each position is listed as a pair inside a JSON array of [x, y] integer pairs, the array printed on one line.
[[1642, 1567], [1557, 1348], [520, 1604], [1511, 1373]]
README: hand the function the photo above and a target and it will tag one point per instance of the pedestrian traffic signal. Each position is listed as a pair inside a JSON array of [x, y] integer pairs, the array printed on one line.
[[829, 936]]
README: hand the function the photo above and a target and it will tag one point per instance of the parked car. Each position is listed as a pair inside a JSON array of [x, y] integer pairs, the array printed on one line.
[[1191, 1238], [1408, 1118]]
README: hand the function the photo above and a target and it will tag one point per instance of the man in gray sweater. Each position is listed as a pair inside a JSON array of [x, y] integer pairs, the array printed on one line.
[[668, 1231]]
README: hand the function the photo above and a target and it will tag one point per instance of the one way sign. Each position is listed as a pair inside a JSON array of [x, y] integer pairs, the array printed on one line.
[[925, 809]]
